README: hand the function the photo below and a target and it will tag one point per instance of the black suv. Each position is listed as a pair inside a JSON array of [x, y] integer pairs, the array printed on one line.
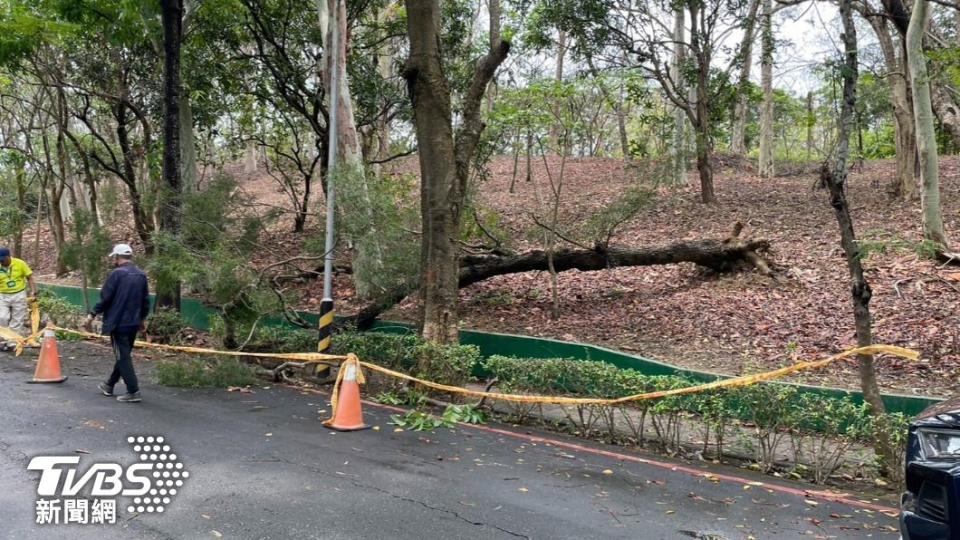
[[931, 503]]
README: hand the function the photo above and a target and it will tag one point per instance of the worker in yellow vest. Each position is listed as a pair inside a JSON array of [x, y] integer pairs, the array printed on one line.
[[15, 278]]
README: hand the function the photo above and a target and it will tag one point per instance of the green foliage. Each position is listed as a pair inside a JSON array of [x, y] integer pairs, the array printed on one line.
[[86, 247], [211, 258], [419, 421], [389, 398], [58, 310], [282, 339], [201, 374], [880, 242], [556, 376], [651, 126], [174, 263], [14, 212], [898, 427], [377, 217], [602, 226], [778, 419], [68, 336], [446, 364], [467, 414], [166, 325], [485, 223], [825, 429], [393, 351]]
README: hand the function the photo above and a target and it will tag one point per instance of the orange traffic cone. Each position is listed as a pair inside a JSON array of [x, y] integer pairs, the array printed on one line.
[[48, 367], [347, 412]]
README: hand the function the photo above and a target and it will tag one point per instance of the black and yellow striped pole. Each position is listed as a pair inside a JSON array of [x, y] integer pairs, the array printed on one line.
[[326, 325], [326, 305]]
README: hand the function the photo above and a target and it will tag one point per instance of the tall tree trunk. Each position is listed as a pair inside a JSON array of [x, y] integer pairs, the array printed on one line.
[[678, 156], [385, 70], [495, 13], [904, 185], [767, 141], [21, 177], [430, 95], [55, 216], [141, 220], [36, 228], [67, 177], [556, 129], [860, 290], [529, 170], [88, 176], [516, 161], [738, 131], [622, 131], [444, 164], [250, 157], [810, 120], [926, 133], [704, 140], [168, 294], [188, 145], [946, 109], [56, 222]]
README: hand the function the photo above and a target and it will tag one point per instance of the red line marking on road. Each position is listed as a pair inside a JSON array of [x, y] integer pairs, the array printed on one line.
[[806, 494]]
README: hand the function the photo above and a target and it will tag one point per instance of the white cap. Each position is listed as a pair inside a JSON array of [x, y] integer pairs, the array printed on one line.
[[121, 250]]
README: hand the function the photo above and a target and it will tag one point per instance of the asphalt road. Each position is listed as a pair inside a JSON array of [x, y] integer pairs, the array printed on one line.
[[262, 466]]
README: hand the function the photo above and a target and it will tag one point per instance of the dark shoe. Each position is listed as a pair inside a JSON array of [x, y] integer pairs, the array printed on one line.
[[105, 389], [130, 398]]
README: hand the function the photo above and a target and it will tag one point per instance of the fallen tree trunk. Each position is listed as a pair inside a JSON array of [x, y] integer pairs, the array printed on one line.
[[713, 254], [727, 255]]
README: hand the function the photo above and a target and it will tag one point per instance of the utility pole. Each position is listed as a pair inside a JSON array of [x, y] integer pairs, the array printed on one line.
[[326, 305]]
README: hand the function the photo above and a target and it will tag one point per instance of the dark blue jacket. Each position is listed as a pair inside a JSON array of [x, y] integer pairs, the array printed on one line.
[[124, 299]]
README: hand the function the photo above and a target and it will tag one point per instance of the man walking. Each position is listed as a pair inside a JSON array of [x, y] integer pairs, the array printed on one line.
[[15, 277], [124, 303]]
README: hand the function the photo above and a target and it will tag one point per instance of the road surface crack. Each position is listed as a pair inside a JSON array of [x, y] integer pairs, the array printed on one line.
[[440, 509]]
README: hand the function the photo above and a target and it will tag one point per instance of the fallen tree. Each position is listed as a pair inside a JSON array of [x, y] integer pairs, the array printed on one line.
[[729, 255]]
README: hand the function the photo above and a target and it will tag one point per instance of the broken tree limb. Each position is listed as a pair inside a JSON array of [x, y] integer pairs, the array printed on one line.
[[726, 255], [713, 254]]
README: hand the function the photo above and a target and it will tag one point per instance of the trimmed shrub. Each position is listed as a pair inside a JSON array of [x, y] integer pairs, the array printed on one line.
[[446, 364], [776, 422], [393, 351]]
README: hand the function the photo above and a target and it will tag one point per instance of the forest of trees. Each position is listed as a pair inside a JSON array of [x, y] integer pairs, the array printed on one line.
[[130, 119]]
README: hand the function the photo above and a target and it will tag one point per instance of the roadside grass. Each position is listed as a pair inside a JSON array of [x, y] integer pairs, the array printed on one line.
[[202, 374]]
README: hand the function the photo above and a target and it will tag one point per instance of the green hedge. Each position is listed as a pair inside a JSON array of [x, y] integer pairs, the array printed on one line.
[[446, 364], [771, 419]]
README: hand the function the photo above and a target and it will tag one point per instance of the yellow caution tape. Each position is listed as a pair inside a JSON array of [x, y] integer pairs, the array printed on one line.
[[745, 380], [734, 382], [301, 357], [34, 316], [34, 321], [9, 334]]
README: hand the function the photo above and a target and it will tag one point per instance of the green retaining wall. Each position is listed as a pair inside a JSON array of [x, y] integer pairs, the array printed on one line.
[[490, 343]]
